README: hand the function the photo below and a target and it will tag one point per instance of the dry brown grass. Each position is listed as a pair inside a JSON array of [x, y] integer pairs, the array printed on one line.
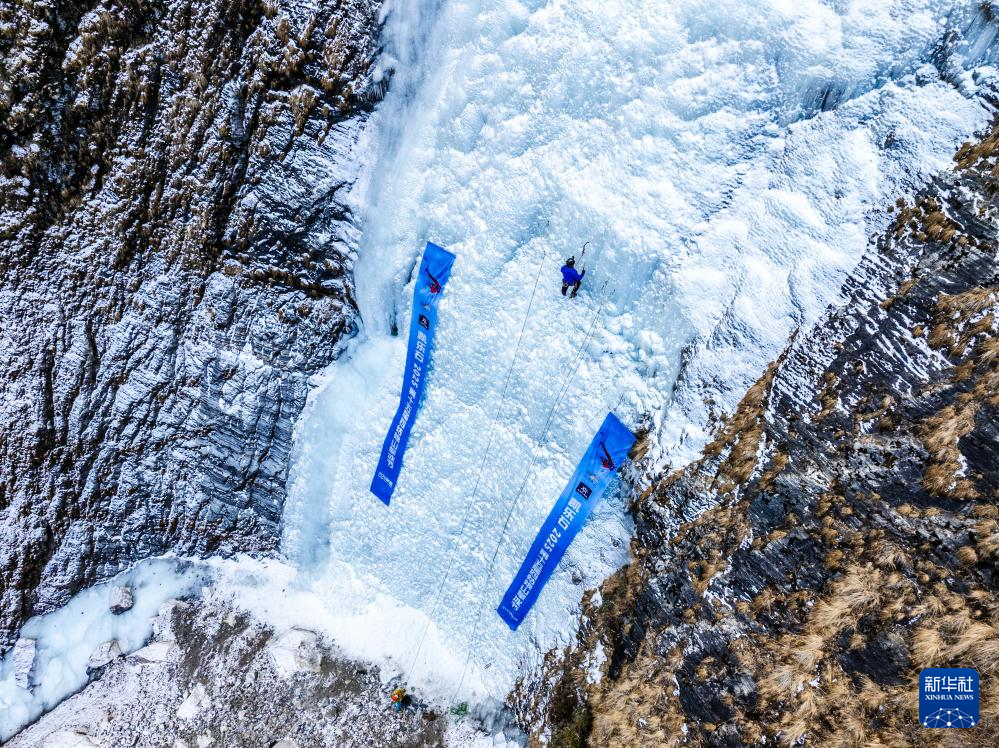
[[973, 155], [925, 221], [641, 446], [777, 465], [828, 399], [882, 414], [967, 556], [960, 320], [941, 434], [961, 317], [986, 534], [844, 711], [739, 437], [638, 708]]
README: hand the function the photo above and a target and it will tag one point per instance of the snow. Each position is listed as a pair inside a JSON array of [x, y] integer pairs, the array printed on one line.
[[66, 638], [155, 652], [194, 703], [689, 145], [69, 739], [296, 650], [375, 628], [594, 673]]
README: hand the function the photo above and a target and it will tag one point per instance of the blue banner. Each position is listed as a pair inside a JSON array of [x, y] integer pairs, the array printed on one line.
[[435, 269], [607, 452]]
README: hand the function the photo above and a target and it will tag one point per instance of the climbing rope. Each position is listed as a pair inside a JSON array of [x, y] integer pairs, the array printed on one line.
[[567, 382], [485, 456]]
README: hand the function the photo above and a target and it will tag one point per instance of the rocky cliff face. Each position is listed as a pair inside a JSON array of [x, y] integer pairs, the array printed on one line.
[[175, 249], [852, 538]]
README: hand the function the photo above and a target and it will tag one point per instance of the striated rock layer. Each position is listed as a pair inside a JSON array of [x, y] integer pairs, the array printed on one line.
[[175, 248], [854, 533]]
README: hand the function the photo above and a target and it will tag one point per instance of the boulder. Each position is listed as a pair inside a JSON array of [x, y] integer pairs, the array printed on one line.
[[166, 619], [296, 650], [24, 663], [69, 739], [155, 652], [194, 703], [105, 653], [120, 600]]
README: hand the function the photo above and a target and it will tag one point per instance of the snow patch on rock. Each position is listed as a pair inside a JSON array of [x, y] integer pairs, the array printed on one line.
[[196, 700], [162, 651], [69, 739], [295, 651]]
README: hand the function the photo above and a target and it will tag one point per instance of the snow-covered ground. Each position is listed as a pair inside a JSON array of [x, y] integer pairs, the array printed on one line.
[[687, 142], [65, 639]]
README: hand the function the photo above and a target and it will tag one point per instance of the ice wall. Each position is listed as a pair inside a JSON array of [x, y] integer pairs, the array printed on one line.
[[728, 162]]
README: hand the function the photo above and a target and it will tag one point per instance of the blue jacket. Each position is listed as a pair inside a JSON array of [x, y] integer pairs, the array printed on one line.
[[570, 275]]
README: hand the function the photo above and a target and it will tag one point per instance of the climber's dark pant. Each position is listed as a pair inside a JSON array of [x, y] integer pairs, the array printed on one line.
[[575, 287]]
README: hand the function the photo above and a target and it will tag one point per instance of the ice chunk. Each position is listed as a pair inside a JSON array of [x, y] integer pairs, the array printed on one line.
[[105, 653], [24, 663], [294, 651], [194, 703], [166, 619], [120, 599], [155, 652]]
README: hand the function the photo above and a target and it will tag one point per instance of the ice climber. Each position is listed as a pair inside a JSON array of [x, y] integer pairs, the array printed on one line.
[[571, 277], [400, 699]]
